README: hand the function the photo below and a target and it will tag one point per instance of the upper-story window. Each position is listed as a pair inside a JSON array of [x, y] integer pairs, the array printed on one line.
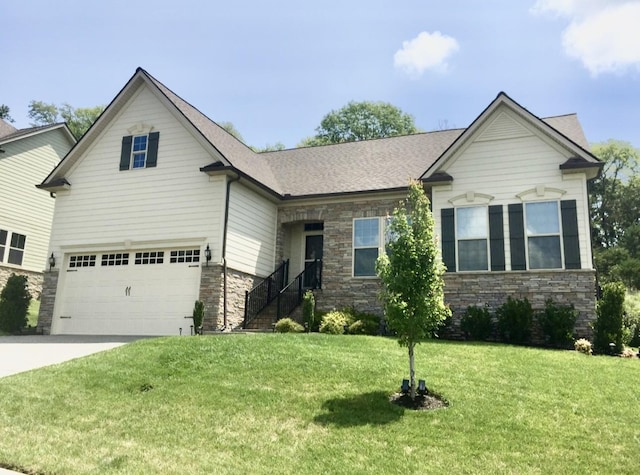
[[542, 222], [139, 151], [15, 245]]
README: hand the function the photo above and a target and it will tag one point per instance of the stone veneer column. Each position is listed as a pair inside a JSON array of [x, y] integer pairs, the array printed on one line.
[[47, 301]]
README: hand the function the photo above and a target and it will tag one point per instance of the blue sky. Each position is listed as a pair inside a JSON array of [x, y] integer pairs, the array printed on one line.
[[274, 69]]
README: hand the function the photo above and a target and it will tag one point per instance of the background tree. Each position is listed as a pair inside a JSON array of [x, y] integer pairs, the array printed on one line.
[[79, 120], [5, 113], [615, 201], [411, 273], [229, 127], [361, 121]]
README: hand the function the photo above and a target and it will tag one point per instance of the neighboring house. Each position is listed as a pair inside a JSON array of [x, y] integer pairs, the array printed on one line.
[[27, 156], [158, 206]]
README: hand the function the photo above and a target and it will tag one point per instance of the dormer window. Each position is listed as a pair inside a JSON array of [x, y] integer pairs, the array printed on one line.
[[139, 151]]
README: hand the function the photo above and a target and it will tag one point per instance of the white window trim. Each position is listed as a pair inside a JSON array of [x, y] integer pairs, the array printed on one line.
[[381, 243], [139, 152], [486, 238]]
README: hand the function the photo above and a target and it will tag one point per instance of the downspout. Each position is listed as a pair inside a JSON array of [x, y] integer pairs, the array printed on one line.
[[224, 252]]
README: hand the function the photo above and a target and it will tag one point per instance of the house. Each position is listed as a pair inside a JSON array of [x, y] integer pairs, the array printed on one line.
[[27, 156], [157, 206]]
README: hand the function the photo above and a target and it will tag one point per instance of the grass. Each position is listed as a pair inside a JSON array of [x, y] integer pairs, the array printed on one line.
[[283, 403]]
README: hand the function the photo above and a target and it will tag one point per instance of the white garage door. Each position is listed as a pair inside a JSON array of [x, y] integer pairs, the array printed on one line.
[[132, 293]]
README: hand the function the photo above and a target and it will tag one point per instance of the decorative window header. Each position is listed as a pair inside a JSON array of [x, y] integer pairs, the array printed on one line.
[[471, 197]]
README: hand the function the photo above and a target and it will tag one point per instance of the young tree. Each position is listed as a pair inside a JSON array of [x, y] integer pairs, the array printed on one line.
[[411, 273], [361, 121]]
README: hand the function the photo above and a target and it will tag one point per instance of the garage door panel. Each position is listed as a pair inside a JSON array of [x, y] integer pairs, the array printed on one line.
[[132, 299]]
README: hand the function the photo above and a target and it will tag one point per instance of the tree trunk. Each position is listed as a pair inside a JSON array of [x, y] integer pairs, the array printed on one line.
[[412, 372]]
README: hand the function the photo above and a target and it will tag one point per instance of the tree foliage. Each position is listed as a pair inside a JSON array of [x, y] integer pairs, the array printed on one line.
[[361, 121], [411, 272], [5, 113], [615, 201], [78, 119]]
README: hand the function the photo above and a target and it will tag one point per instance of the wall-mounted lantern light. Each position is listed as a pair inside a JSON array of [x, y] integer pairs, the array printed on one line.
[[52, 261], [207, 254]]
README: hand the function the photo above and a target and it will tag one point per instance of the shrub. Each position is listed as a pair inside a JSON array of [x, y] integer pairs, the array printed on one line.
[[14, 304], [364, 324], [335, 322], [476, 323], [287, 325], [628, 352], [514, 320], [557, 323], [308, 307], [631, 319], [583, 346], [198, 316], [609, 315]]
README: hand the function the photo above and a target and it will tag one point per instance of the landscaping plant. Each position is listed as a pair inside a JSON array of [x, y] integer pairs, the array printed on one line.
[[14, 304], [411, 272], [287, 325], [557, 323], [607, 328], [198, 316], [515, 317], [476, 323], [308, 308]]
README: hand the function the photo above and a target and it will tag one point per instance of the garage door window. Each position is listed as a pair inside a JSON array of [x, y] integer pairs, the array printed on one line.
[[115, 259], [151, 257], [82, 261], [185, 255]]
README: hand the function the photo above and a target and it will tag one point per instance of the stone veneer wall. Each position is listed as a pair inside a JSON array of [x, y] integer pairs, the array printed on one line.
[[339, 288], [212, 294], [577, 287], [34, 279], [47, 300]]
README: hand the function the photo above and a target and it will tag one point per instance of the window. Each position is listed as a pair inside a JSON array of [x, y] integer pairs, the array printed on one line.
[[543, 235], [82, 261], [151, 257], [118, 259], [3, 243], [366, 246], [139, 151], [16, 249], [185, 255], [472, 231]]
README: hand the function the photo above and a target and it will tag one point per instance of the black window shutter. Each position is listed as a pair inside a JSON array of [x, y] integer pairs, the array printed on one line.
[[496, 238], [570, 239], [152, 151], [448, 239], [125, 154], [516, 237]]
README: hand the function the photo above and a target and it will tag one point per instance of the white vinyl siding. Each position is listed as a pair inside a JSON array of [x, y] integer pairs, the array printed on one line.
[[173, 201], [251, 232], [505, 159], [24, 209]]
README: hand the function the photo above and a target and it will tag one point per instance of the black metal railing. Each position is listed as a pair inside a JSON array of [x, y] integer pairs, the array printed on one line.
[[291, 295], [258, 298]]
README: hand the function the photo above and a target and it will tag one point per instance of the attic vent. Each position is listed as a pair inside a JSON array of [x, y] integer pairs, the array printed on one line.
[[503, 126]]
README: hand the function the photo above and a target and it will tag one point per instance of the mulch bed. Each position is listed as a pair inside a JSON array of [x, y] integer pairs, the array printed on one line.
[[425, 402]]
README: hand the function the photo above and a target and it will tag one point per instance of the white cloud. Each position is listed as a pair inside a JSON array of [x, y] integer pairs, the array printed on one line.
[[425, 51], [602, 34]]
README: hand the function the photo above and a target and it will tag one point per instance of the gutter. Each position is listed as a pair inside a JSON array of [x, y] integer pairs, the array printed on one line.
[[224, 252]]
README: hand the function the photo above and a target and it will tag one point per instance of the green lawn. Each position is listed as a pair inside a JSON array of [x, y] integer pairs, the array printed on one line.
[[315, 404]]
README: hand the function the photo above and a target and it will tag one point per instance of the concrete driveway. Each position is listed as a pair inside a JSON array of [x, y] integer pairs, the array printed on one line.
[[23, 353]]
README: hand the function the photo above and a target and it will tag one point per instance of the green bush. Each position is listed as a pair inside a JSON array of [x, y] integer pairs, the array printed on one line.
[[515, 317], [198, 316], [476, 323], [557, 323], [308, 308], [14, 304], [335, 322], [607, 328], [631, 319], [364, 324], [287, 325], [583, 346]]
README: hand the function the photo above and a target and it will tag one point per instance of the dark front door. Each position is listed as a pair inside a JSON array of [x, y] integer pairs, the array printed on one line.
[[313, 253]]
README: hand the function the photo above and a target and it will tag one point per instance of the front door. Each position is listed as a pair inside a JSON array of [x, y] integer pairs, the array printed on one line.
[[312, 252]]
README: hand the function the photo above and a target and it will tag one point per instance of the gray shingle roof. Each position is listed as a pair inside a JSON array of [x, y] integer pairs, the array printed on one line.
[[17, 133], [6, 128]]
